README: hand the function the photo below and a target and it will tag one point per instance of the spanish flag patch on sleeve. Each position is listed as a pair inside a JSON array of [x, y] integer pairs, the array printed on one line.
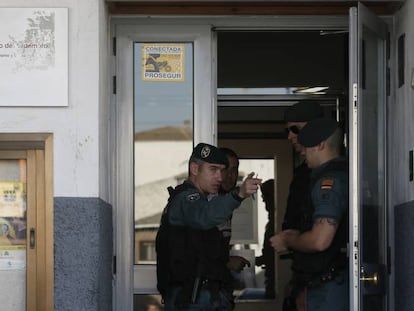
[[327, 184]]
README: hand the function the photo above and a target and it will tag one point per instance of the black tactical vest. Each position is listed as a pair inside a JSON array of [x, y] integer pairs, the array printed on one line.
[[184, 254], [310, 265]]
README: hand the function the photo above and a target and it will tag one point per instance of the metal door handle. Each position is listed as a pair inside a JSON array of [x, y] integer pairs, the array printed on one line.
[[374, 278], [32, 238]]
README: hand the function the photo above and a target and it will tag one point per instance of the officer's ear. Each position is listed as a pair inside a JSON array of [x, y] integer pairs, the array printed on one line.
[[322, 145], [193, 168]]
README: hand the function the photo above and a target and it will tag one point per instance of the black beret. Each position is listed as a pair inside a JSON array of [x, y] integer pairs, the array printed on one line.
[[210, 154], [303, 111], [316, 131]]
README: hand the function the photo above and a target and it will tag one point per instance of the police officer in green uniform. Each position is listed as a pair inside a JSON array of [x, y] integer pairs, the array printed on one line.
[[191, 261], [320, 262]]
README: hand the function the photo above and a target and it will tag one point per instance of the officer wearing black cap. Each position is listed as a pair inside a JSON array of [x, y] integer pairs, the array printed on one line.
[[320, 261], [191, 266], [296, 117]]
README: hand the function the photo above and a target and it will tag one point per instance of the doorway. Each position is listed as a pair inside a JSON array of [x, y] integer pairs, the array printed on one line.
[[243, 80], [260, 74], [26, 214]]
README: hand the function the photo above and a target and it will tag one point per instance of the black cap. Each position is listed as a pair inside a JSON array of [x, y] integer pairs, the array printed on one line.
[[303, 111], [316, 131], [210, 154]]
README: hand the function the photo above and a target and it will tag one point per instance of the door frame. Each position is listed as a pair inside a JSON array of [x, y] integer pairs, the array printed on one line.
[[361, 16], [37, 149], [130, 29], [128, 274]]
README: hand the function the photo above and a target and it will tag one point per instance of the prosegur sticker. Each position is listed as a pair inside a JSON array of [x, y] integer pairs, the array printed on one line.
[[163, 62]]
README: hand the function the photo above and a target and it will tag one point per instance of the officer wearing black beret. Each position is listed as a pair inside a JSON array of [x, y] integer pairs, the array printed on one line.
[[320, 244], [191, 267], [316, 131], [208, 153], [296, 117]]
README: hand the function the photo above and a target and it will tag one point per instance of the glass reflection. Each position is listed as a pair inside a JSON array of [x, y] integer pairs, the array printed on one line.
[[163, 133]]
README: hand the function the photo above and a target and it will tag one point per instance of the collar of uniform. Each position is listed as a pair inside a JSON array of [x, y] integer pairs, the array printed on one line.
[[315, 171]]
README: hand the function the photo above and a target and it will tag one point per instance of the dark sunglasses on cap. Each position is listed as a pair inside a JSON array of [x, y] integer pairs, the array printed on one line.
[[294, 129]]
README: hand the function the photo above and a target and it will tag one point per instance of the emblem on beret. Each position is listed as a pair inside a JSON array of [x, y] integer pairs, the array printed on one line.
[[193, 197], [205, 152]]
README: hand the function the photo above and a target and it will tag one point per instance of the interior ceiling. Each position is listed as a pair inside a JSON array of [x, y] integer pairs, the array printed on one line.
[[229, 7], [276, 59], [269, 59]]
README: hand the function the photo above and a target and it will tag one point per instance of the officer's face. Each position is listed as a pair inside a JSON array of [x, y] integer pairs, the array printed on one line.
[[230, 175], [293, 129], [209, 177]]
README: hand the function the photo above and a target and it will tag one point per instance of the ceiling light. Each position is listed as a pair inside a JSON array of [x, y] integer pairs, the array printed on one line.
[[314, 89]]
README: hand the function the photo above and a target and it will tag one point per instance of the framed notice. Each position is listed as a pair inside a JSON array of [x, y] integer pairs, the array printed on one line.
[[163, 62], [34, 57]]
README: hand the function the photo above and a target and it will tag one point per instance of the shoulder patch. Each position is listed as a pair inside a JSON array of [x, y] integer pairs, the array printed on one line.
[[193, 197], [327, 184]]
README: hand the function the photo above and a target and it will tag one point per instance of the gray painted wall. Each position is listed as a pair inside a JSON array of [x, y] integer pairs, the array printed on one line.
[[83, 254], [404, 254]]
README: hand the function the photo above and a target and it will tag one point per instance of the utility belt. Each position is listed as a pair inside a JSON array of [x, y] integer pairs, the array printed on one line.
[[190, 291], [302, 281], [214, 286], [332, 275]]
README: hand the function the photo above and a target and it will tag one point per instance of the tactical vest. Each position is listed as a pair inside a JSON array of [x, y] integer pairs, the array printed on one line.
[[311, 265], [295, 202], [184, 254]]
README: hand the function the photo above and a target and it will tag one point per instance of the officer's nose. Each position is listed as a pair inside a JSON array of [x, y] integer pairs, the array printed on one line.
[[292, 135], [219, 176]]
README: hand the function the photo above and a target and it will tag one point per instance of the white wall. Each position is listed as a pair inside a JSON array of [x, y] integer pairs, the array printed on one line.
[[401, 112], [105, 112], [76, 127]]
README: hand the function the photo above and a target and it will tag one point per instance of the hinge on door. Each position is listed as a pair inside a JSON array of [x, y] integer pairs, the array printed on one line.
[[114, 265], [114, 46], [114, 85], [355, 94]]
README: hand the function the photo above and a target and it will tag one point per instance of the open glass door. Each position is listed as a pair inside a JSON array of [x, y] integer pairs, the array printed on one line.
[[368, 229], [164, 101]]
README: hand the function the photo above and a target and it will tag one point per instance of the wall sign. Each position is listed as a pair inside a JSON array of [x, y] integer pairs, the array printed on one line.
[[33, 56]]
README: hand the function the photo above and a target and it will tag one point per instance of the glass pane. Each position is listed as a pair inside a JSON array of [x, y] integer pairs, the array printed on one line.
[[372, 166], [13, 234], [251, 226], [163, 132], [372, 157]]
